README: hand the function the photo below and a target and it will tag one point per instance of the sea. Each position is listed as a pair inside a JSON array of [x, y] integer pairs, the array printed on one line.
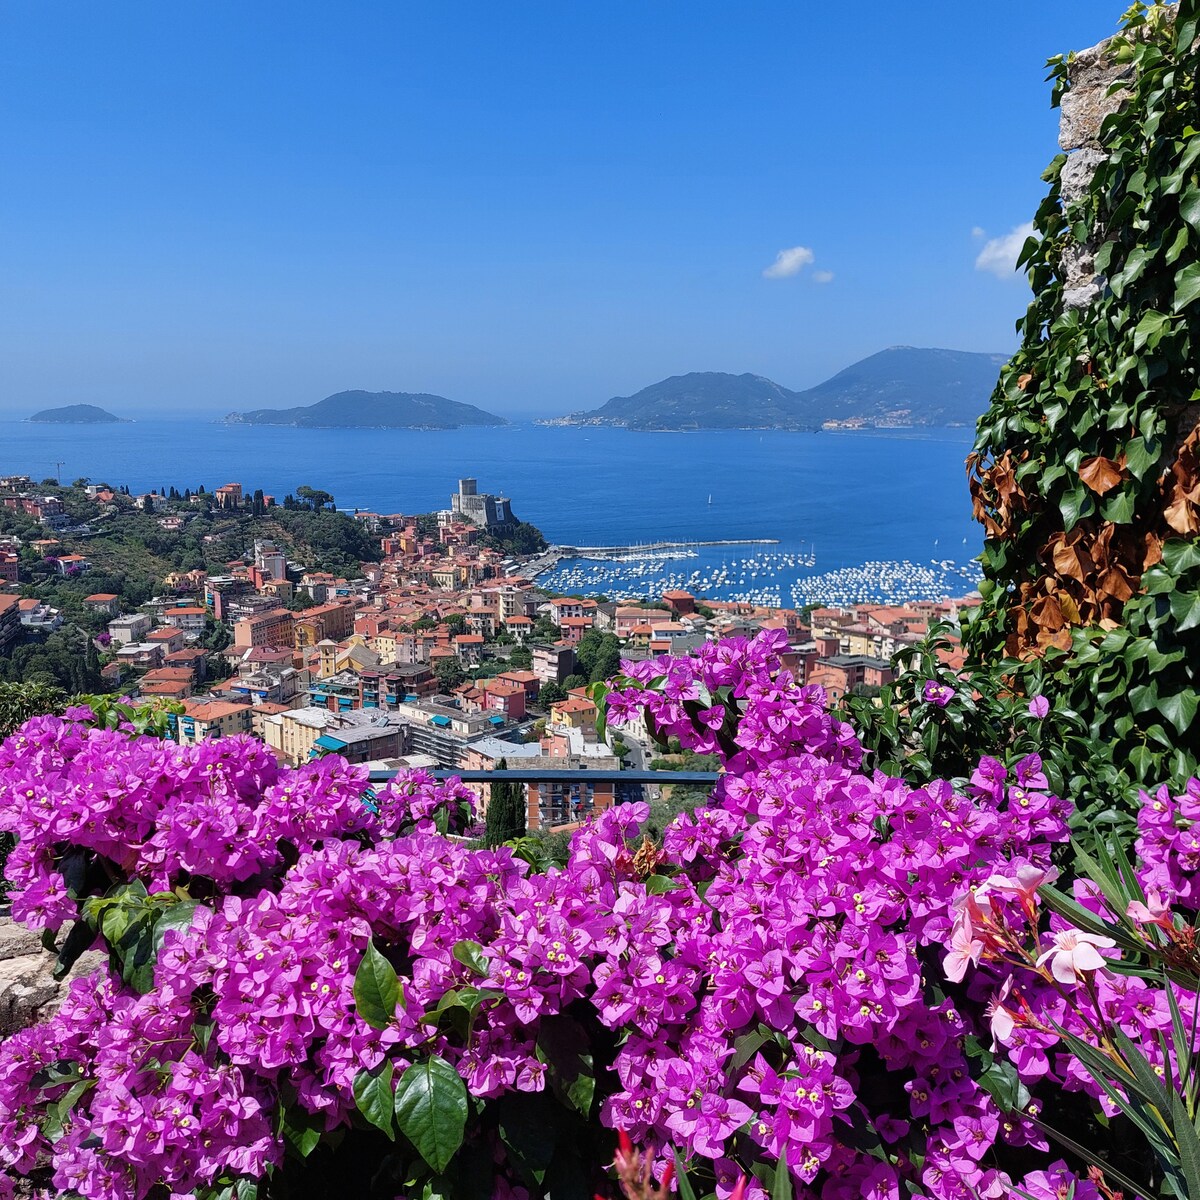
[[816, 518]]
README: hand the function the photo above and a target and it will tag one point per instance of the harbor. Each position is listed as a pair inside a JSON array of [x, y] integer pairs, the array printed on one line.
[[771, 575]]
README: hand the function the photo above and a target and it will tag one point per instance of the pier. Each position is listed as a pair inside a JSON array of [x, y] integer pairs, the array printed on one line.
[[652, 548]]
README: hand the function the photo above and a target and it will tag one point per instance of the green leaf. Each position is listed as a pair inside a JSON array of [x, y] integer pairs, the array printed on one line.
[[471, 955], [1187, 285], [686, 1192], [376, 989], [1189, 207], [658, 885], [301, 1130], [1002, 1083], [1185, 608], [781, 1187], [1080, 917], [177, 916], [562, 1045], [1180, 708], [1118, 508], [431, 1109], [1189, 1145], [1075, 505], [1149, 330], [1180, 555], [1140, 456], [373, 1095]]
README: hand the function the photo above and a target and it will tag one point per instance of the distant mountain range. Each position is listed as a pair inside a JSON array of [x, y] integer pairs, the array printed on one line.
[[896, 388], [77, 414], [373, 410]]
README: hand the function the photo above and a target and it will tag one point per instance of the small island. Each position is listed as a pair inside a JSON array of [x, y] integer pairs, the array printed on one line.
[[77, 414], [373, 410]]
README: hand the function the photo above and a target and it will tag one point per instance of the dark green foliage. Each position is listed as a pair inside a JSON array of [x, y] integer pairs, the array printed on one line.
[[551, 693], [903, 733], [449, 673], [20, 701], [66, 660], [522, 538], [506, 815], [1087, 463], [521, 659], [598, 656]]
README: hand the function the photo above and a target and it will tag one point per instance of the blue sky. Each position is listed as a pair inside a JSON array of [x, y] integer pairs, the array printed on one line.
[[216, 205]]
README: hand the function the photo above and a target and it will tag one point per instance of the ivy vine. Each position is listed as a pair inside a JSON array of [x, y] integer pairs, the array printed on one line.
[[1086, 468]]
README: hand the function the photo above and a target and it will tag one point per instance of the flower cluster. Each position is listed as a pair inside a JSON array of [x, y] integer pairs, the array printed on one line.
[[761, 988]]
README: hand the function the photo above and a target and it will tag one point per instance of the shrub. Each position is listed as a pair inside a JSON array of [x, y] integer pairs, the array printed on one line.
[[307, 992]]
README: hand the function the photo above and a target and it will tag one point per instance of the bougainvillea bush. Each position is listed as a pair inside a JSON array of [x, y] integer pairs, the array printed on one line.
[[313, 988]]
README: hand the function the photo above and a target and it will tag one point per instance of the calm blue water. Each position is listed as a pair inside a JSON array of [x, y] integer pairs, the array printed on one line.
[[837, 500]]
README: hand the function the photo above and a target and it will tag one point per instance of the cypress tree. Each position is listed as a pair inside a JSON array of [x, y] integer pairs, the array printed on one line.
[[505, 812]]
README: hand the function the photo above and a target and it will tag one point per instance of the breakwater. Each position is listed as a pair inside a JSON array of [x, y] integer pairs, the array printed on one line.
[[651, 549]]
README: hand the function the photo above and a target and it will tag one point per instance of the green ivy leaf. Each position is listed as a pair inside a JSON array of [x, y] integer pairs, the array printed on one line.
[[1140, 456], [1185, 608], [1189, 207], [431, 1109], [1180, 708], [373, 1096], [1187, 285], [1075, 505], [376, 989]]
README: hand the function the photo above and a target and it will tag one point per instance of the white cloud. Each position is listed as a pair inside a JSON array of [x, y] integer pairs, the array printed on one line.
[[999, 255], [978, 231], [822, 277], [788, 263]]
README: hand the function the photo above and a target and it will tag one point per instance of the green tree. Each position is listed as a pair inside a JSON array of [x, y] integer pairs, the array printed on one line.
[[521, 658], [449, 673], [506, 815], [315, 498], [551, 693]]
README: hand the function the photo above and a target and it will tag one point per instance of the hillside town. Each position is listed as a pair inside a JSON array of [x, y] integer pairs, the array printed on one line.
[[444, 654]]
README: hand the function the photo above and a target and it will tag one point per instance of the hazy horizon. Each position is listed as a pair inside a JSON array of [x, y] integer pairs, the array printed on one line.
[[217, 209]]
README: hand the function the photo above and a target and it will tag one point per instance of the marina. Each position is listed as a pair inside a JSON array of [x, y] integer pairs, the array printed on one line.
[[777, 578]]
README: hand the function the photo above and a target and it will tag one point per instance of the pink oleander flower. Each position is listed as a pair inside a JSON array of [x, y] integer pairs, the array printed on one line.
[[1024, 882], [1074, 954], [1000, 1020], [965, 948], [1039, 706], [939, 694], [1153, 912]]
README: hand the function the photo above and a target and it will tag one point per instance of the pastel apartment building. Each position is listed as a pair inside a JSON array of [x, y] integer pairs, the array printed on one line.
[[552, 663], [209, 719], [390, 686], [272, 628], [627, 619], [9, 566], [188, 619], [10, 620], [103, 602], [130, 628], [562, 607]]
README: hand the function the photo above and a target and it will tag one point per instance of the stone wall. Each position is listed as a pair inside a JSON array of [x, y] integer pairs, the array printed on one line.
[[28, 990], [1091, 96]]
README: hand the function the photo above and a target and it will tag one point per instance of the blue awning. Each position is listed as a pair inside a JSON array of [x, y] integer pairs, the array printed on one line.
[[440, 721], [497, 720], [329, 743]]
